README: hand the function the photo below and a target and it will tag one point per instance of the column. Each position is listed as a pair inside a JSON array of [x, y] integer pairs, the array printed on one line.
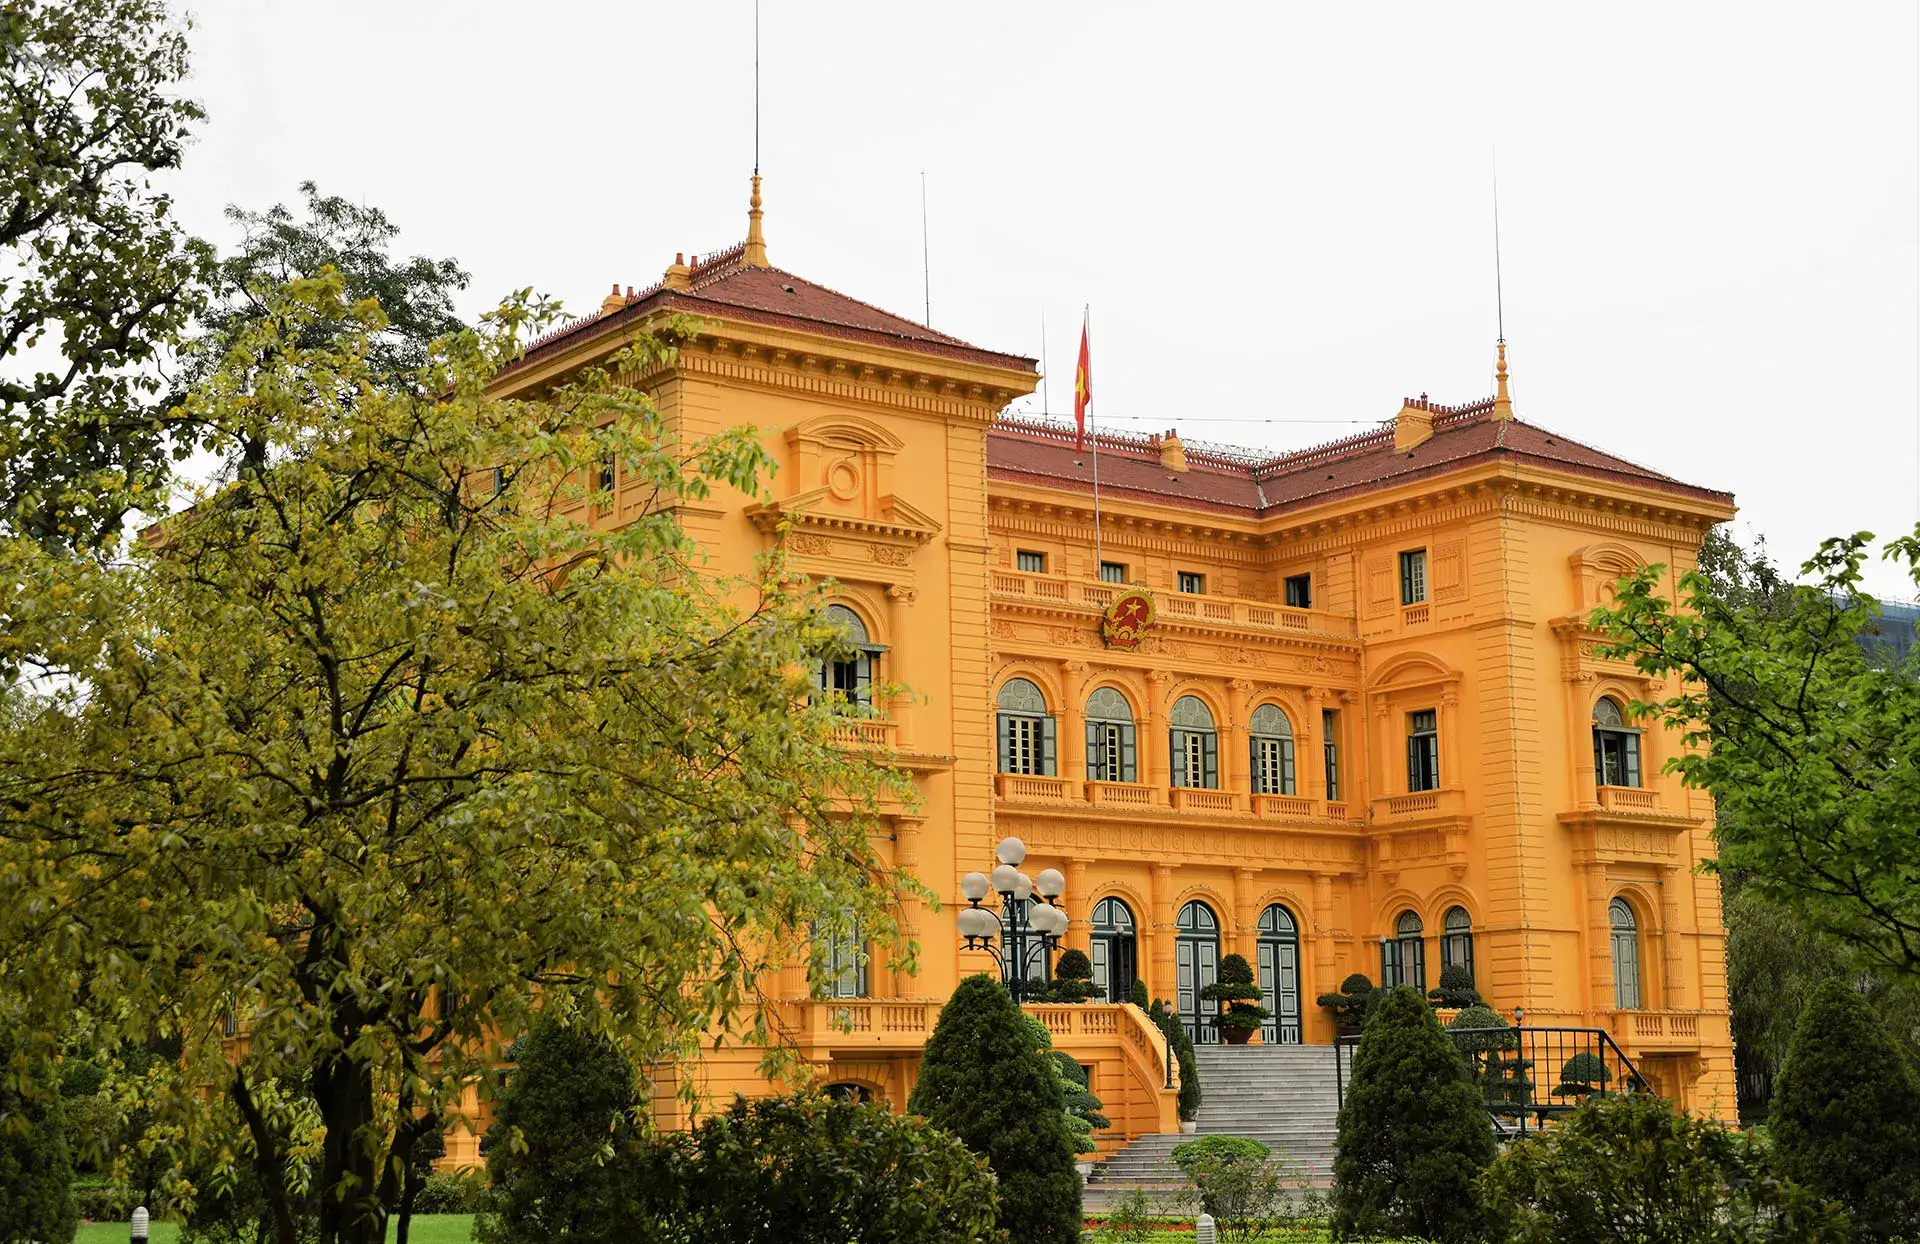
[[1079, 910], [1599, 939], [1353, 756], [1309, 761], [906, 855], [1673, 996], [1235, 765], [1153, 747], [1160, 983], [1246, 920], [1324, 979], [1388, 746], [1450, 740], [1072, 716], [1586, 792]]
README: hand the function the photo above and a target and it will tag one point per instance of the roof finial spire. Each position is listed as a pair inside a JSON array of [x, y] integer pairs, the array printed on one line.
[[1502, 402], [756, 252]]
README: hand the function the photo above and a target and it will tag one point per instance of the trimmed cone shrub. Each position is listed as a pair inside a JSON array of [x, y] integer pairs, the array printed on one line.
[[36, 1166], [1181, 1041], [1353, 1004], [1582, 1074], [1072, 978], [1139, 998], [808, 1169], [1630, 1167], [1413, 1133], [1845, 1116], [1234, 986], [1456, 988], [983, 1080], [1492, 1049], [573, 1101]]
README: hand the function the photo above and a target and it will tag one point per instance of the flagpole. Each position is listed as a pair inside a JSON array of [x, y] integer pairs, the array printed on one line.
[[1086, 326]]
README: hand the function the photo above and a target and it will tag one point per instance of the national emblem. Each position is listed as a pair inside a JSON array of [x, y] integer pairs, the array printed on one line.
[[1127, 619]]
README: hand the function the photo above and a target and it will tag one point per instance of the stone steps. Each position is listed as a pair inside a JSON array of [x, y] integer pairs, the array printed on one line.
[[1283, 1096]]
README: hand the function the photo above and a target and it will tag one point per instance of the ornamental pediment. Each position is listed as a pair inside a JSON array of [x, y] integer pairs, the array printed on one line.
[[825, 513]]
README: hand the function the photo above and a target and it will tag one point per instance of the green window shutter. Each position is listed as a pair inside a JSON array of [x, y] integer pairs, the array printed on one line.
[[1210, 758], [1128, 768], [1047, 746], [1413, 763], [1096, 753], [1256, 770], [1177, 746], [1631, 746], [1006, 743], [1286, 766]]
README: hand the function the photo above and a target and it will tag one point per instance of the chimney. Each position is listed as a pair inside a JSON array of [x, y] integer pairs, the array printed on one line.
[[1172, 455], [1413, 426], [676, 275], [612, 302]]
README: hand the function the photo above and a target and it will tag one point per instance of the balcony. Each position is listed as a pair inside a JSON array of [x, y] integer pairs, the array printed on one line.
[[1191, 799], [1657, 1032], [1282, 807], [862, 1023], [865, 733], [1174, 607], [1629, 799], [1032, 788], [1120, 794], [1418, 804]]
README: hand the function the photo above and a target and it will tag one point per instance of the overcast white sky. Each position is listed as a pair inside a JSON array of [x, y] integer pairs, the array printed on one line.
[[1280, 213]]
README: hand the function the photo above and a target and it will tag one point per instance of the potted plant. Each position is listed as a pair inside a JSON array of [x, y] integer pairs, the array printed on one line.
[[1235, 987], [1352, 1004], [1072, 978]]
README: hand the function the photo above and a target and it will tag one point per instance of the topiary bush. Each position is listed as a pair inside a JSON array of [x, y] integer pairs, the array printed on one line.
[[983, 1080], [1081, 1107], [1456, 988], [1845, 1117], [1234, 985], [1582, 1074], [808, 1169], [1631, 1167], [562, 1144], [1353, 1004], [1414, 1135], [1072, 978], [1492, 1050], [1181, 1042], [36, 1166], [1139, 995]]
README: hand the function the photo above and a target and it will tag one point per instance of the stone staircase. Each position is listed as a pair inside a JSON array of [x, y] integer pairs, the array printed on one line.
[[1281, 1095]]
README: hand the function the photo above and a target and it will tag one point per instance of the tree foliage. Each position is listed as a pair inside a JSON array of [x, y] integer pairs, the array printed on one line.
[[1180, 1042], [1413, 1135], [1846, 1115], [381, 716], [985, 1080], [1811, 741], [561, 1150], [1352, 1004], [1235, 986], [97, 280], [1630, 1169], [810, 1170], [36, 1167]]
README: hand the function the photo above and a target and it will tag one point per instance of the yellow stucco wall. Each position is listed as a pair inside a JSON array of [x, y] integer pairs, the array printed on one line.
[[883, 472]]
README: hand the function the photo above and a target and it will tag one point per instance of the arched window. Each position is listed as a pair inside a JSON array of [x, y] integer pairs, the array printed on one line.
[[1196, 748], [1626, 955], [1113, 950], [1026, 729], [1616, 746], [846, 1090], [1196, 965], [1277, 950], [1110, 743], [1456, 943], [1403, 957], [847, 670], [1272, 746], [846, 960]]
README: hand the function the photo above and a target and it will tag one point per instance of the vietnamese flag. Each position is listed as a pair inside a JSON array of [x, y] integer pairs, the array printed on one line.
[[1082, 393]]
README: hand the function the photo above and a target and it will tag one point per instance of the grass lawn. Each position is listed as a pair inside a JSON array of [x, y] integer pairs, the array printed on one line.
[[425, 1229]]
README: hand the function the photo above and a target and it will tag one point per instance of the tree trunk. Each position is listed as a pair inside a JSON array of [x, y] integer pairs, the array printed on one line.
[[268, 1163], [351, 1209]]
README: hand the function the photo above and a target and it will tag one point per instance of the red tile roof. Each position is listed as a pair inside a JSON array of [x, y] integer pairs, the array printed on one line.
[[722, 286], [1251, 485]]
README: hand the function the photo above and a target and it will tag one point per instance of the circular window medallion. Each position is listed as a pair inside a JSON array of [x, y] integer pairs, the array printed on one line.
[[843, 479]]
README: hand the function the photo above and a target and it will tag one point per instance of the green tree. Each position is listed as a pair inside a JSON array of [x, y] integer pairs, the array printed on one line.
[[381, 717], [353, 239], [561, 1150], [97, 280], [1352, 1004], [1414, 1135], [1072, 978], [1629, 1169], [1180, 1042], [1235, 987], [1240, 1182], [810, 1170], [1846, 1115], [36, 1169], [1492, 1049], [983, 1079], [1811, 741]]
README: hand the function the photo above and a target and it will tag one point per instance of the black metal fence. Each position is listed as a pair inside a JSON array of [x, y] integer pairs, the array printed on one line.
[[1527, 1076]]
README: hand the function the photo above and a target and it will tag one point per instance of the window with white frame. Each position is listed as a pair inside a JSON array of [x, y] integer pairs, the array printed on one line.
[[845, 960], [1110, 738], [1616, 746], [1029, 562], [1625, 931], [1026, 729], [1272, 745], [1195, 746], [1113, 572], [1403, 957], [1456, 942], [1330, 746], [1423, 750], [847, 669], [1413, 576]]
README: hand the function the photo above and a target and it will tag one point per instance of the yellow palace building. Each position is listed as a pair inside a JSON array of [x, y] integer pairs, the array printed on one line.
[[1335, 710]]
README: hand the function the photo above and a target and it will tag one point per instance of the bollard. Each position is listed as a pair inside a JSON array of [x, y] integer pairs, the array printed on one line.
[[1203, 1232], [138, 1231]]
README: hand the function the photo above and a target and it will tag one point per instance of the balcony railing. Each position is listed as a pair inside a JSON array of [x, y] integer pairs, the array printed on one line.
[[1419, 803], [1282, 807], [1629, 799], [868, 732], [1658, 1031], [1031, 787], [1122, 794], [1174, 606], [1191, 799]]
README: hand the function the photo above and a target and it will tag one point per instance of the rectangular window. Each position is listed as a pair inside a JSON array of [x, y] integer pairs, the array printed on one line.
[[1196, 759], [1030, 562], [1273, 766], [846, 964], [1616, 757], [606, 476], [1026, 744], [1196, 584], [1330, 743], [1413, 576], [1110, 751], [1423, 751], [1113, 572], [1300, 591]]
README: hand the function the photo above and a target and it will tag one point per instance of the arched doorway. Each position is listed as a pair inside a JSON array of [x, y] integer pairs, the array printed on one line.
[[1114, 950], [1197, 965], [1279, 953], [847, 1090]]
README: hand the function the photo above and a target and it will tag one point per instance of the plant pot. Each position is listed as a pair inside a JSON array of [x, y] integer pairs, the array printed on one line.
[[1189, 1126], [1236, 1036], [1084, 1168]]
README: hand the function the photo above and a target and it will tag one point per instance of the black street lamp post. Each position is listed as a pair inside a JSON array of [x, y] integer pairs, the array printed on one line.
[[1006, 935]]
